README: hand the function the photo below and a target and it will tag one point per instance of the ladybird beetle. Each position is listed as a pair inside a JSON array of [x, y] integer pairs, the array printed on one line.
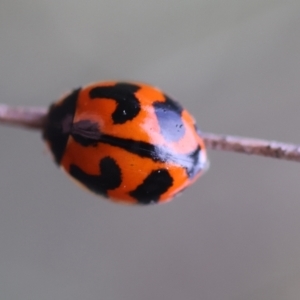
[[126, 141]]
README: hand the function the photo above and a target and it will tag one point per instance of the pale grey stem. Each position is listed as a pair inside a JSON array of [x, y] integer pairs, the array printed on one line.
[[252, 146], [30, 117]]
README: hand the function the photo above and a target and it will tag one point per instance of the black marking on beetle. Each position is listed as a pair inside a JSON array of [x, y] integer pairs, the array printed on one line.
[[128, 106], [139, 148], [88, 134], [154, 185], [168, 114], [110, 176], [59, 123]]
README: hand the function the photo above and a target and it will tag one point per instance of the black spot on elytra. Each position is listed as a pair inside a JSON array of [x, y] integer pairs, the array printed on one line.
[[128, 106], [157, 183], [109, 178], [168, 114], [59, 123]]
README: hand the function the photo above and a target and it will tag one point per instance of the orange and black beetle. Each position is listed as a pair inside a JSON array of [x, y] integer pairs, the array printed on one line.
[[126, 141]]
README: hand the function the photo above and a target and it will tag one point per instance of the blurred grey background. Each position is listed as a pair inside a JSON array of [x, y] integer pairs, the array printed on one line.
[[235, 234]]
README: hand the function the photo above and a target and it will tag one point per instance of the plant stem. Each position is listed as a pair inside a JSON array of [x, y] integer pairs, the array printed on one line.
[[30, 117]]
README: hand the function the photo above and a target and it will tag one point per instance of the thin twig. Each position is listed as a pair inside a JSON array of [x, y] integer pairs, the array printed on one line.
[[252, 146], [30, 117], [34, 118]]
